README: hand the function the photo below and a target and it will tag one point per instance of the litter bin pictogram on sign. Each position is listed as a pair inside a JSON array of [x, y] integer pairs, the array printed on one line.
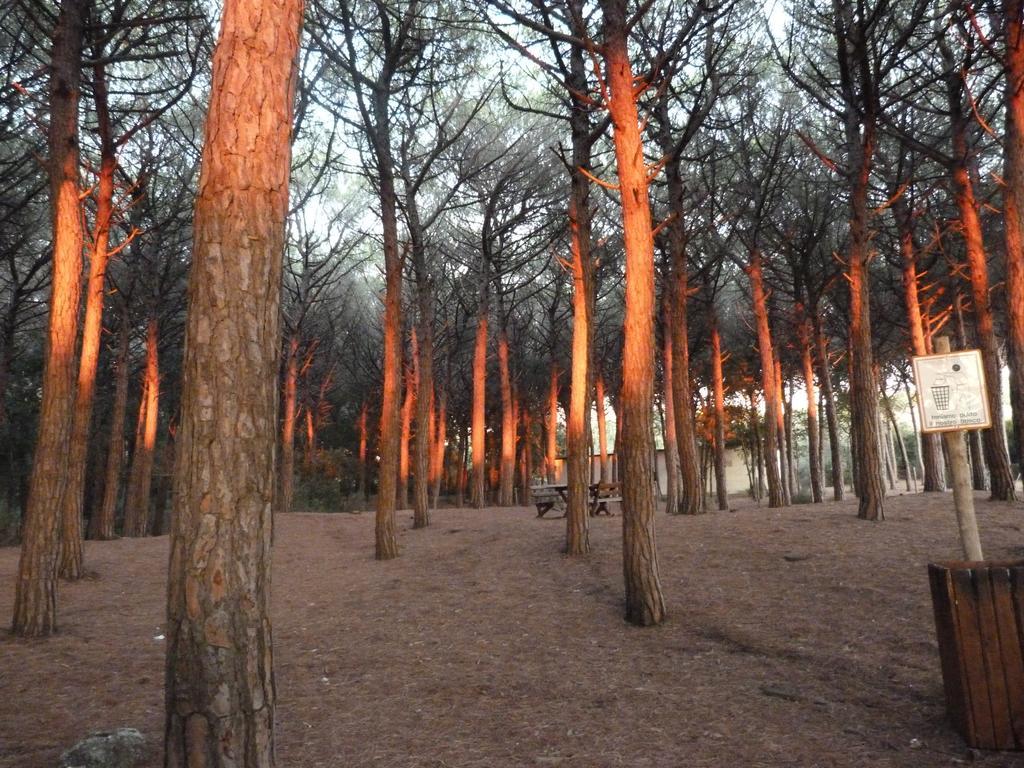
[[940, 394]]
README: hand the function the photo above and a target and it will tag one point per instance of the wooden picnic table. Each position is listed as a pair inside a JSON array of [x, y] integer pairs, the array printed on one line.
[[548, 496]]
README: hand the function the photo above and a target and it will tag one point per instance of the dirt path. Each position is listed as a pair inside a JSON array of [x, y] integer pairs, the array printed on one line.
[[796, 638]]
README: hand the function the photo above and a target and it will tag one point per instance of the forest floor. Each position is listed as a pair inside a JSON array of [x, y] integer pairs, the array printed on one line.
[[800, 637]]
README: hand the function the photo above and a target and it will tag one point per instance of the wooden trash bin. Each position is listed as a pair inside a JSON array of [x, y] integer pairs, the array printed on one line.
[[979, 621]]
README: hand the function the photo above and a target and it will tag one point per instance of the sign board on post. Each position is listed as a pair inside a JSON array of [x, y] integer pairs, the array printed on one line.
[[951, 391]]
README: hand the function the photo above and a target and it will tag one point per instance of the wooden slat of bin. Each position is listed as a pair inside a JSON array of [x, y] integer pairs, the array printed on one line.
[[992, 656], [1010, 646], [953, 677], [965, 610]]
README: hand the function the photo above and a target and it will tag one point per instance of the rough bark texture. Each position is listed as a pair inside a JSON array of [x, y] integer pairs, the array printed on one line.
[[291, 382], [137, 501], [102, 524], [35, 602], [423, 467], [440, 441], [863, 388], [219, 675], [78, 449], [364, 467], [994, 440], [602, 430], [776, 496], [1013, 212], [645, 603]]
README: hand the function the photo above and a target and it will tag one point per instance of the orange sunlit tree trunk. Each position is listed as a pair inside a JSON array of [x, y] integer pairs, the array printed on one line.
[[35, 601], [507, 464], [478, 471], [931, 452], [994, 440], [551, 431], [718, 395], [291, 383], [137, 501], [99, 251], [776, 497], [672, 482], [411, 385], [220, 694], [645, 603], [1013, 209]]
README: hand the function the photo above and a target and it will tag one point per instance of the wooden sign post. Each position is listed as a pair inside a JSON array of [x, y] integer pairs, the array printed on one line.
[[952, 397]]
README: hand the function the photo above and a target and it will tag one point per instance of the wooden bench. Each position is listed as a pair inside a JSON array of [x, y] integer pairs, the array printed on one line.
[[603, 494], [546, 497]]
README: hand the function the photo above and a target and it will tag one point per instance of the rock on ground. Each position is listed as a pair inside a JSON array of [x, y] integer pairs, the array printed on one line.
[[123, 748]]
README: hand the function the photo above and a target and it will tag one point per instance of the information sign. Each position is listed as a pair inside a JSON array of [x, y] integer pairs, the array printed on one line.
[[951, 391]]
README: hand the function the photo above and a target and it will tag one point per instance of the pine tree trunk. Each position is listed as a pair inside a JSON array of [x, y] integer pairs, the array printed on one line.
[[776, 496], [602, 429], [291, 379], [1013, 213], [219, 683], [718, 396], [411, 385], [137, 503], [672, 481], [424, 416], [970, 224], [645, 604], [35, 602], [831, 416], [102, 524], [389, 442], [931, 453], [813, 446], [551, 433], [78, 448], [577, 423], [507, 462], [863, 387], [364, 467], [478, 488], [440, 441]]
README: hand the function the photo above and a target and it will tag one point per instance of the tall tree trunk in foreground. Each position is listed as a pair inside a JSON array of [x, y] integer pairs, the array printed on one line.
[[931, 453], [102, 524], [78, 449], [645, 604], [291, 381], [863, 387], [718, 393], [219, 675], [776, 497], [388, 444], [35, 601], [994, 439], [1013, 212], [478, 488], [507, 465], [551, 433], [137, 502]]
